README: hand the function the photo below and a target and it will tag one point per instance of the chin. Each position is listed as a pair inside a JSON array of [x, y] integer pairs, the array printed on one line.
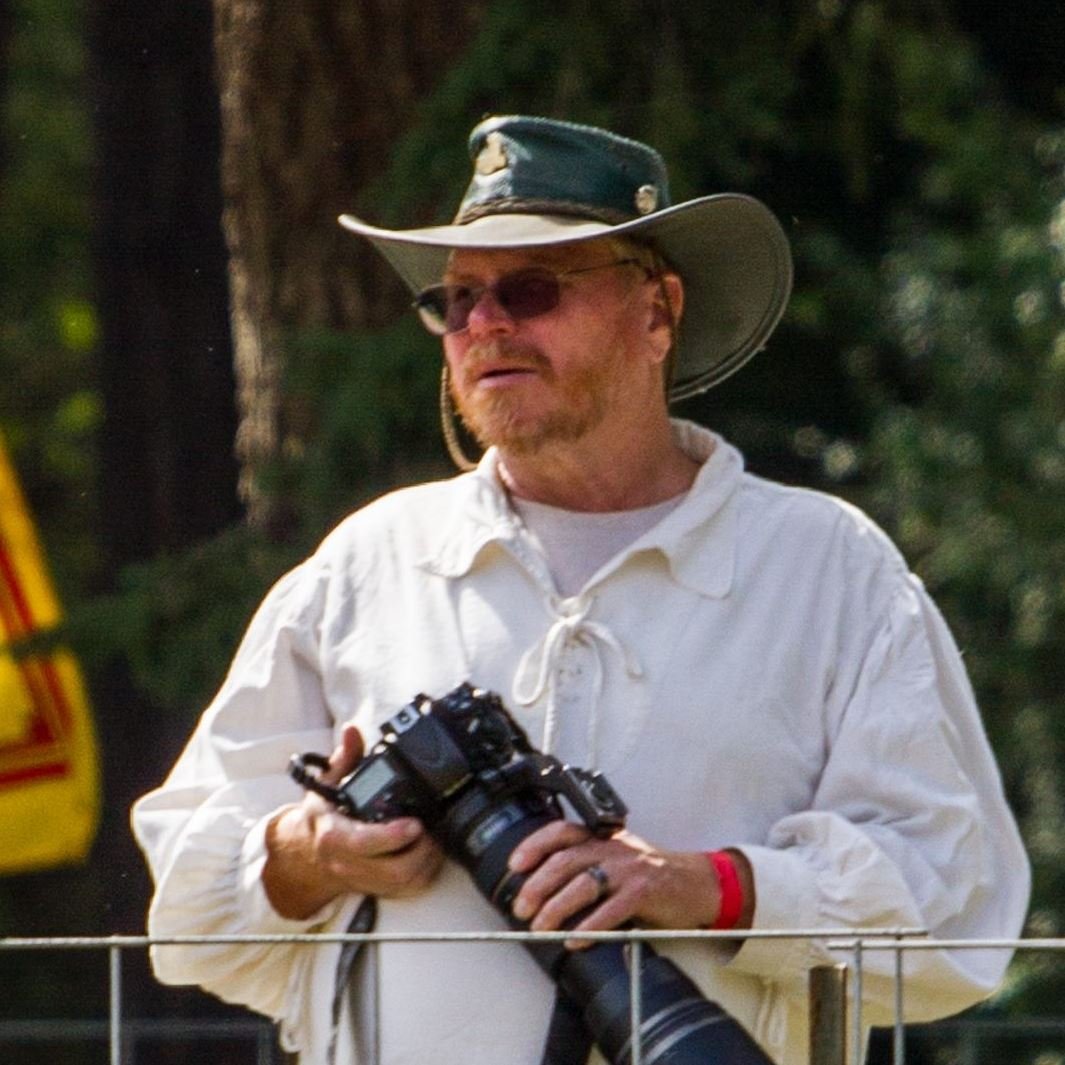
[[499, 421], [529, 438]]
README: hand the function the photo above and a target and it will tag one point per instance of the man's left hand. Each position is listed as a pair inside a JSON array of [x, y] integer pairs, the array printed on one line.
[[643, 884]]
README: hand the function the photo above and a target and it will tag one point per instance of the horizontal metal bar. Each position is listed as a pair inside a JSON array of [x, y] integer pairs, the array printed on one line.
[[911, 935], [70, 1029], [879, 943], [837, 940], [74, 1029], [996, 1026]]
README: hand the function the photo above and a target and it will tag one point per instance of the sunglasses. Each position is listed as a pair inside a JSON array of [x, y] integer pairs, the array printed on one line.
[[523, 294]]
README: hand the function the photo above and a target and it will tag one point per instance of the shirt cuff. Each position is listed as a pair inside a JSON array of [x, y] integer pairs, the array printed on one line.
[[785, 897]]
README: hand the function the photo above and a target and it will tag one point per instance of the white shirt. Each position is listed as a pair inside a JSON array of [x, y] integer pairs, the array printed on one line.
[[757, 670]]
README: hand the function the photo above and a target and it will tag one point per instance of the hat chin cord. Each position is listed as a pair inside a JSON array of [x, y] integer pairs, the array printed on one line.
[[671, 355], [448, 423]]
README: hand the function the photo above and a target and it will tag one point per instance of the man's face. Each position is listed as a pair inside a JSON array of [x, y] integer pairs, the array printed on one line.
[[523, 383]]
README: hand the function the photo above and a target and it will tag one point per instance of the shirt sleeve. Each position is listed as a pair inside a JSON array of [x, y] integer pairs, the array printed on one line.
[[202, 831], [909, 828]]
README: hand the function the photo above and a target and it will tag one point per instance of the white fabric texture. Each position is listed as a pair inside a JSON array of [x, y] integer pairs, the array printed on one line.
[[758, 670], [577, 543]]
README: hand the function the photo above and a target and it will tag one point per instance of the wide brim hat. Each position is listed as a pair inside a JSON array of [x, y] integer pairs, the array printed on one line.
[[542, 182]]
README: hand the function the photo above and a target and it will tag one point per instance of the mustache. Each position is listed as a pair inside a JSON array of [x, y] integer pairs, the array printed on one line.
[[491, 352]]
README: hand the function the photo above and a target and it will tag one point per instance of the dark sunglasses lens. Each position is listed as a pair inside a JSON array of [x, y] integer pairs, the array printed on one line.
[[460, 301], [444, 308], [527, 295]]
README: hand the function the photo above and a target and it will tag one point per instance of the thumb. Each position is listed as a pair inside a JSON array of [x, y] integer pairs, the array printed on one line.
[[346, 755]]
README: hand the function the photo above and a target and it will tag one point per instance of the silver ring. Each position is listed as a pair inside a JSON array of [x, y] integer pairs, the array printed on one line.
[[602, 881]]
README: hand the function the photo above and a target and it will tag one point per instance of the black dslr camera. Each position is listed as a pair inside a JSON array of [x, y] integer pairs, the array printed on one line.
[[463, 766]]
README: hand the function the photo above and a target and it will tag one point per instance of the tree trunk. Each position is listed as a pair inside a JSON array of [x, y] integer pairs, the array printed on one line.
[[168, 471], [314, 95], [5, 40]]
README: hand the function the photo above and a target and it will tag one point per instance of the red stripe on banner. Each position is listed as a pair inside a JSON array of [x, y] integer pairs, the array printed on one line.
[[35, 685], [52, 719], [58, 694], [34, 772], [44, 698], [10, 626], [23, 613], [25, 616]]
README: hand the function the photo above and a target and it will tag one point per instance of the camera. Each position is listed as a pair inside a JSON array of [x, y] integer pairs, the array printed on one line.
[[466, 769]]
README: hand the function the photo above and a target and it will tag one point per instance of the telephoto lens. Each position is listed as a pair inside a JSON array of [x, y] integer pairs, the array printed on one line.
[[678, 1025]]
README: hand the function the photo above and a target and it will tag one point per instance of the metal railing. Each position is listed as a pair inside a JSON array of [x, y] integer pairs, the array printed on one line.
[[835, 1003]]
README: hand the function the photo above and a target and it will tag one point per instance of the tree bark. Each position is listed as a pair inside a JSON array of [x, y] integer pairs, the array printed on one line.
[[168, 471], [313, 95], [5, 40]]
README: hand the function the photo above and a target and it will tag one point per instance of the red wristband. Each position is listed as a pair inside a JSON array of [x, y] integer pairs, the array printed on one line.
[[731, 906]]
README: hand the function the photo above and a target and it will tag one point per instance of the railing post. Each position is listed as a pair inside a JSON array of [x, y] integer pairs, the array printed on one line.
[[635, 1000], [115, 965], [828, 1015], [858, 995], [899, 1037]]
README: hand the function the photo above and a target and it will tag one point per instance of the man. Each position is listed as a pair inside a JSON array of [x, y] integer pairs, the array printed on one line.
[[752, 666]]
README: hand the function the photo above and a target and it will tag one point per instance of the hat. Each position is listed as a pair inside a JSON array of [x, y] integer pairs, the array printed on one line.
[[538, 181]]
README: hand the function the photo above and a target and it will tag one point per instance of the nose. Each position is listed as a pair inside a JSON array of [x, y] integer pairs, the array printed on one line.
[[487, 315]]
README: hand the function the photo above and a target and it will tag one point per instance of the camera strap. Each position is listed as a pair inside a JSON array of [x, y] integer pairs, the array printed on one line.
[[364, 920], [568, 1040]]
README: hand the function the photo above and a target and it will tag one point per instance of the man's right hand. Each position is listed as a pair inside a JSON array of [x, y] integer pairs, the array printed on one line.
[[315, 853]]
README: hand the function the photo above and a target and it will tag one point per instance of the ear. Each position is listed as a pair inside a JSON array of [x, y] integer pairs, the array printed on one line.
[[667, 305]]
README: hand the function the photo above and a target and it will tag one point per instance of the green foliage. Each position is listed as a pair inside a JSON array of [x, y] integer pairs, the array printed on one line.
[[965, 458], [368, 406], [705, 83], [49, 411], [174, 621]]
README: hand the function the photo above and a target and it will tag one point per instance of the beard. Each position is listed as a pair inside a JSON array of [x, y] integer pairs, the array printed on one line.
[[503, 418]]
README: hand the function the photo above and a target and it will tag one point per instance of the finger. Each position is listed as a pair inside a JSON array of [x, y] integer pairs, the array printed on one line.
[[613, 912], [368, 862], [545, 841], [340, 835], [416, 868], [579, 893], [554, 874]]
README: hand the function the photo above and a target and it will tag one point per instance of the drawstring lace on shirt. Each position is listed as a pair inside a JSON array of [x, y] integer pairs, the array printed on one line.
[[572, 625]]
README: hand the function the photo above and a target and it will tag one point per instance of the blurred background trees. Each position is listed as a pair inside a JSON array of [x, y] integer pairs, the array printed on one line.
[[200, 372]]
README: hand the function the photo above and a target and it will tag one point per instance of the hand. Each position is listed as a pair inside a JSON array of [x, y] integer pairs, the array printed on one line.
[[644, 885], [315, 853]]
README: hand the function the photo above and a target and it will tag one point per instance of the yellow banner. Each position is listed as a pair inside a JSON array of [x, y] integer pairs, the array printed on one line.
[[49, 776]]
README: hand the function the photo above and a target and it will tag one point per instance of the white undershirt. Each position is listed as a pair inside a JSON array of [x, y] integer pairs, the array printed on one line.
[[578, 543]]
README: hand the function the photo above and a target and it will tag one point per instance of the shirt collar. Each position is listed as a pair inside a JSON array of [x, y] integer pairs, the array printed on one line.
[[697, 539]]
